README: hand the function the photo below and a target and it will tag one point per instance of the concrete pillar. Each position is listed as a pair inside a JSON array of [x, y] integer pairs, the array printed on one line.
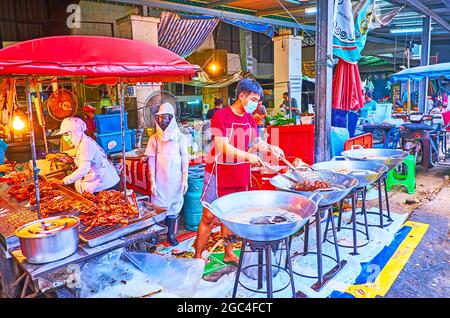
[[287, 68], [324, 38], [424, 60], [144, 29]]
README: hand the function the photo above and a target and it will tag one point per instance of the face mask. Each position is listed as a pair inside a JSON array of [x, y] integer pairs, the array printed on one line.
[[164, 121], [251, 106], [75, 138]]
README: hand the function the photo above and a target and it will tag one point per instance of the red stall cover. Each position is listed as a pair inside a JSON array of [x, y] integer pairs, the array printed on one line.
[[98, 59], [347, 88]]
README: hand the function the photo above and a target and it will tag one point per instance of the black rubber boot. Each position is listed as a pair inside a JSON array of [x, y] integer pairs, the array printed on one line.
[[171, 222]]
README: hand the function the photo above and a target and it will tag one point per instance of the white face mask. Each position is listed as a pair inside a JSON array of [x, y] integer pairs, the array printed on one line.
[[251, 106], [75, 138]]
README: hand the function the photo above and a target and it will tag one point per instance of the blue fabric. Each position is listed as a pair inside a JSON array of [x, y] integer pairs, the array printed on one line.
[[255, 27], [3, 146], [339, 135], [417, 73], [344, 118]]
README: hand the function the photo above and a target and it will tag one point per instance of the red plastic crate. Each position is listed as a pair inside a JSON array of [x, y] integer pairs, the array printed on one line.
[[364, 140], [297, 141]]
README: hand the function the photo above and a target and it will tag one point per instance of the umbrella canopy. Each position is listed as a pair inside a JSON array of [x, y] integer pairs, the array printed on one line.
[[95, 58], [347, 88], [417, 73]]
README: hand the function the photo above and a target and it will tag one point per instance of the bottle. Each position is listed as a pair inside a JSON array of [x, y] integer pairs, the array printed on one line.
[[297, 120]]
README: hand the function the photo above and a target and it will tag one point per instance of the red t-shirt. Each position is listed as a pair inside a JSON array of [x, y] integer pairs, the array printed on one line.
[[241, 129]]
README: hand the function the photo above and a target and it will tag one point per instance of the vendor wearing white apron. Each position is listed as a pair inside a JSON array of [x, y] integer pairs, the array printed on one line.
[[94, 171], [168, 160], [228, 168]]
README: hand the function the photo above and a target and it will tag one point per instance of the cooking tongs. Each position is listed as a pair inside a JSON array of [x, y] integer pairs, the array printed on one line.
[[270, 167]]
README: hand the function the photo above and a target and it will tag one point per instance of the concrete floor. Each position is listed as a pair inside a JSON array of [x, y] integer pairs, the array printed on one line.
[[427, 273]]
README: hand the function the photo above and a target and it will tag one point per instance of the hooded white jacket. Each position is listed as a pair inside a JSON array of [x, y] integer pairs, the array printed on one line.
[[168, 160]]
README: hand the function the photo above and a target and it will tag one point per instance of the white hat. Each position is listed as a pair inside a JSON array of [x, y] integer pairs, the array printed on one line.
[[72, 124], [166, 108]]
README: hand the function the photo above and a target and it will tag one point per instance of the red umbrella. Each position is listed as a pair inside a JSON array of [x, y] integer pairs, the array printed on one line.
[[347, 88], [99, 59]]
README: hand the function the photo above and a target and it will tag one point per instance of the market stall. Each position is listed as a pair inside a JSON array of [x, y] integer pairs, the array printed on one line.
[[75, 59]]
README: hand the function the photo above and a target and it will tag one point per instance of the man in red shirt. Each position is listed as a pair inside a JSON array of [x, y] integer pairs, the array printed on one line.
[[234, 133]]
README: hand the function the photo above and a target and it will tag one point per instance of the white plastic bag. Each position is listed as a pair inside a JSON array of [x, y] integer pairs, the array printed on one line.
[[178, 276]]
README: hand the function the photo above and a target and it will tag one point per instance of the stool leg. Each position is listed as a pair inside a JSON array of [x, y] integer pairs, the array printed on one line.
[[319, 247], [289, 268], [387, 201], [326, 227], [269, 272], [336, 247], [380, 202], [365, 212], [355, 242], [306, 241], [238, 272], [260, 268], [341, 206]]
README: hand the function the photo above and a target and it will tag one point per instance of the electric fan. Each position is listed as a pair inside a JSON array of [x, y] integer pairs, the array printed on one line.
[[152, 106], [62, 104]]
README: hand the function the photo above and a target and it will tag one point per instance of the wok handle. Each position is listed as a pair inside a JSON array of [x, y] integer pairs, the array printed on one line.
[[357, 147], [340, 158], [316, 197]]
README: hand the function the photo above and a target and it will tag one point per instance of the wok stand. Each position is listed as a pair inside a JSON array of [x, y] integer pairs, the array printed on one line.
[[354, 198], [381, 214], [265, 249], [322, 279]]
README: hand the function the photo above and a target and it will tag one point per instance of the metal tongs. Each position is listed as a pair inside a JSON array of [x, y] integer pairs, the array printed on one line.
[[270, 167]]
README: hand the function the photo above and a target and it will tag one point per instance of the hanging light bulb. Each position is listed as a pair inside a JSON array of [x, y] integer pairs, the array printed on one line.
[[18, 123], [213, 67]]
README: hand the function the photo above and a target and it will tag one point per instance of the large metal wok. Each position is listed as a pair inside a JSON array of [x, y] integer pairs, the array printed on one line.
[[341, 185], [366, 172], [234, 210], [391, 158]]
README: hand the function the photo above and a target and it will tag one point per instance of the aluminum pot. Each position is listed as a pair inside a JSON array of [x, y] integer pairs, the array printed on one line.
[[50, 239]]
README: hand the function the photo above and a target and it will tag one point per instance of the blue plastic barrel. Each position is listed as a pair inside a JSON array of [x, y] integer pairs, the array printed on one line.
[[192, 208]]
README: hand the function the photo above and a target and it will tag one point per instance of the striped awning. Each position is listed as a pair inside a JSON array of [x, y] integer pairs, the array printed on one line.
[[183, 36]]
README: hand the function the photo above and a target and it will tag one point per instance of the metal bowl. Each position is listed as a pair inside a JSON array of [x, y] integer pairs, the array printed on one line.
[[347, 183], [366, 172], [230, 208], [391, 158]]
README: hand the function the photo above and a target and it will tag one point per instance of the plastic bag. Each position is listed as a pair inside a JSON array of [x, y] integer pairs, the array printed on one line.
[[96, 275], [178, 276]]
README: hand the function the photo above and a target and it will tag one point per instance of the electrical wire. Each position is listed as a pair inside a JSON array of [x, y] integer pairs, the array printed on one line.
[[306, 32]]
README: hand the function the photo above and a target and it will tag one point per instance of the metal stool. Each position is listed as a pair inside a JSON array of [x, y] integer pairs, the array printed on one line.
[[354, 197], [322, 279], [265, 248], [380, 205]]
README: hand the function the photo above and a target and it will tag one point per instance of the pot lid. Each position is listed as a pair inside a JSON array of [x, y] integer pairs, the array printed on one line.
[[46, 227]]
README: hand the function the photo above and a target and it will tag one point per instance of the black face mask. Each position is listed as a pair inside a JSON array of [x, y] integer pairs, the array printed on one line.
[[163, 120]]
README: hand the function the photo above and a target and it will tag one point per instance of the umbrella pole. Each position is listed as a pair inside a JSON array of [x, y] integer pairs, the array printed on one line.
[[122, 128], [38, 96], [33, 149], [290, 99]]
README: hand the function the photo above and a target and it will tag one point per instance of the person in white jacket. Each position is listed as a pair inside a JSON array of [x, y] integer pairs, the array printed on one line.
[[168, 158], [94, 171]]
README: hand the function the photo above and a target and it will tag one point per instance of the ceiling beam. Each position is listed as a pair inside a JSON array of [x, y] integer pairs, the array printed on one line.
[[421, 8], [177, 7], [218, 3], [272, 11]]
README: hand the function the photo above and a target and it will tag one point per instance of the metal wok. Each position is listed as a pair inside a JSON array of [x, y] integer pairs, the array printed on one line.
[[342, 185], [231, 209], [391, 158], [366, 172]]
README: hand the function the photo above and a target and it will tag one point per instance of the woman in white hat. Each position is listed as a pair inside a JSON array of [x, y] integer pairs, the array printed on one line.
[[168, 159], [94, 171]]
